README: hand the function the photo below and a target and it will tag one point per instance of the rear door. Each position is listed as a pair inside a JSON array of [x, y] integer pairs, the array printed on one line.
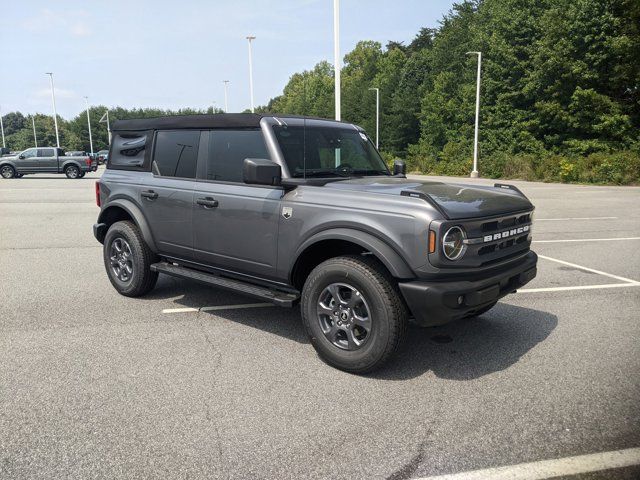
[[235, 225], [47, 160], [167, 194]]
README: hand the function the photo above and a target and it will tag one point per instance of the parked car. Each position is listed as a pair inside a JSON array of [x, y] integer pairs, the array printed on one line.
[[46, 160], [304, 211], [103, 156]]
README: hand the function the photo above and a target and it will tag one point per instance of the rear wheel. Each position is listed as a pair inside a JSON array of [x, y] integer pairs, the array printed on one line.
[[128, 259], [7, 171], [353, 313], [72, 172], [82, 174]]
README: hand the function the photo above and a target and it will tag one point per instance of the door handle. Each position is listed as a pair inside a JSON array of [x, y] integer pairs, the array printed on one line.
[[150, 194], [207, 202]]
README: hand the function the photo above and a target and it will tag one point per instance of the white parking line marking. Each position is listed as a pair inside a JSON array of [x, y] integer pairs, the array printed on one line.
[[579, 287], [545, 469], [586, 240], [587, 269], [573, 218], [217, 307]]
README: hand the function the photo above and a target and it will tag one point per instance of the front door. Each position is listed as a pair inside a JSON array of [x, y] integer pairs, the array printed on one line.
[[235, 225], [27, 161], [167, 194]]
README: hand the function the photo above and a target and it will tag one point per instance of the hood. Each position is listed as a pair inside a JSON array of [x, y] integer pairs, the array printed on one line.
[[455, 201]]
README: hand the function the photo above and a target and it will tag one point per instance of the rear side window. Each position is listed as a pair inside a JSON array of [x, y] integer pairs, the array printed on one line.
[[227, 151], [128, 150], [176, 153], [46, 152]]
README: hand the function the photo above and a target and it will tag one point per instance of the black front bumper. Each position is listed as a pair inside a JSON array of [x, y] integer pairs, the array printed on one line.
[[438, 302]]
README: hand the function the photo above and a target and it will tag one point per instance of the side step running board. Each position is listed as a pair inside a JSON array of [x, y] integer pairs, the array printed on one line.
[[279, 298]]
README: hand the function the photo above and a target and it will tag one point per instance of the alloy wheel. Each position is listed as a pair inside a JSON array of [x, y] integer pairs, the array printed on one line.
[[121, 260], [344, 316], [6, 172]]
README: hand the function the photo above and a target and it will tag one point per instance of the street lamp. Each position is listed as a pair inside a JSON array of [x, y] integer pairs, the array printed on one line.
[[250, 38], [4, 145], [33, 123], [226, 97], [336, 55], [55, 113], [86, 101], [377, 113], [474, 173], [102, 120]]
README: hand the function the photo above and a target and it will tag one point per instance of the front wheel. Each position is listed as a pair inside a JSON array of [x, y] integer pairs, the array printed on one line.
[[72, 172], [7, 171], [353, 313], [128, 259]]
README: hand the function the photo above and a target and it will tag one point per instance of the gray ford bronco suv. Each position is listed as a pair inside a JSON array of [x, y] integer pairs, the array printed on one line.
[[295, 210]]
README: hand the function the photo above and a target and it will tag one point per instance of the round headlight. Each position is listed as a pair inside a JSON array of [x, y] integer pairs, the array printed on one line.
[[453, 243]]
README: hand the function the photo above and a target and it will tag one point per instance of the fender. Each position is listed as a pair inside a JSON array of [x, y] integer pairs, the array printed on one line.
[[70, 162], [138, 218], [386, 254]]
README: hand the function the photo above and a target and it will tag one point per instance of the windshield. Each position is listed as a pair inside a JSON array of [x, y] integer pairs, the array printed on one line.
[[314, 151]]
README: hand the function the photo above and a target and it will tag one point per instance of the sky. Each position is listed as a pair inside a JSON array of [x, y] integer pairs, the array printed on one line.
[[168, 54]]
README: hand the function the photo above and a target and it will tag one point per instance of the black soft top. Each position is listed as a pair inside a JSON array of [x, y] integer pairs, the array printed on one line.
[[217, 120]]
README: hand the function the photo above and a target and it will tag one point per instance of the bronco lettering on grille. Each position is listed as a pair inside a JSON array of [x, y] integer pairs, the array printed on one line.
[[506, 234]]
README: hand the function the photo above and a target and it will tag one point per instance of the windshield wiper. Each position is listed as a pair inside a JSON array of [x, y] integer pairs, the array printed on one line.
[[371, 172], [322, 173]]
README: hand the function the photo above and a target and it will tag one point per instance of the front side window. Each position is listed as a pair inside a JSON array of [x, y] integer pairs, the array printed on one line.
[[176, 153], [46, 152], [228, 150], [29, 153], [328, 151]]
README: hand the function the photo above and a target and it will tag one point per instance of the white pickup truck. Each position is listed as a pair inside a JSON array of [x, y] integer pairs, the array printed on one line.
[[46, 160]]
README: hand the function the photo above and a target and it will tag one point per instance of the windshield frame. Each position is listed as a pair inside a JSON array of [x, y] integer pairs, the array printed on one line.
[[273, 144]]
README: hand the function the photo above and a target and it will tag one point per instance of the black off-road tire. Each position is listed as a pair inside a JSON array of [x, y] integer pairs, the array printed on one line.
[[72, 172], [388, 312], [142, 279]]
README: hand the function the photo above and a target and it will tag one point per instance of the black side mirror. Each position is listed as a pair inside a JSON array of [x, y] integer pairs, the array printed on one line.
[[21, 157], [259, 171], [399, 167]]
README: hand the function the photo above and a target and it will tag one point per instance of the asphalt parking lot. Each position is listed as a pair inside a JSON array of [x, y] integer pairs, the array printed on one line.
[[95, 385]]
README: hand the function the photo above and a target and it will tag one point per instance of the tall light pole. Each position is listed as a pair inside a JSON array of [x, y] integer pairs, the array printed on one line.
[[4, 145], [377, 113], [33, 123], [250, 38], [226, 96], [336, 55], [55, 113], [474, 173], [86, 101], [102, 119]]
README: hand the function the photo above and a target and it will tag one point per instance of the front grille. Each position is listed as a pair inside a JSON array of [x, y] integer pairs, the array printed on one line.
[[506, 222], [486, 245]]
